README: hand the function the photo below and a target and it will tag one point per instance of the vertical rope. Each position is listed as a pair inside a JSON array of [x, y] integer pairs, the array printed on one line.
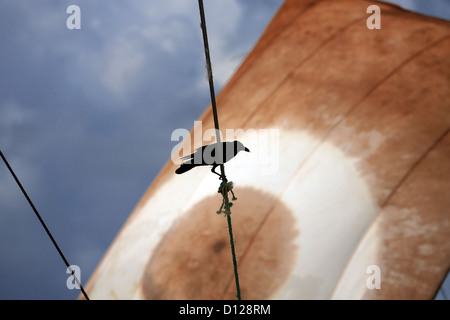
[[236, 276], [43, 224], [218, 140]]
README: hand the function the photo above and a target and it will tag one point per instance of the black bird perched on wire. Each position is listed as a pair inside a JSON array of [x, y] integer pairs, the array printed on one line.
[[213, 154]]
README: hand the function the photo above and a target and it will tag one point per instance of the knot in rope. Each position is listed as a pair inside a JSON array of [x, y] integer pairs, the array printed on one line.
[[224, 188]]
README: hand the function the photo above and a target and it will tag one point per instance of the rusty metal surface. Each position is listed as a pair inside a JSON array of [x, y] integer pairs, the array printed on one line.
[[363, 118]]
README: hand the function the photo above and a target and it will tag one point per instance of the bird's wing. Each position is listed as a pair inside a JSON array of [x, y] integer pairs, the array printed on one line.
[[192, 155], [189, 156]]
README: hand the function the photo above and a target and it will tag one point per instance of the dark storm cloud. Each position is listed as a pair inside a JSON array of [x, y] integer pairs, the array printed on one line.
[[86, 119]]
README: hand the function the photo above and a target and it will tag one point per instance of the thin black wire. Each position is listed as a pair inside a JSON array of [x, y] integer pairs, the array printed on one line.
[[43, 224], [210, 78], [216, 124]]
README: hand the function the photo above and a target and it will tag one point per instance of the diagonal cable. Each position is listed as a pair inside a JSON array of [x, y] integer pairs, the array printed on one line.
[[43, 224]]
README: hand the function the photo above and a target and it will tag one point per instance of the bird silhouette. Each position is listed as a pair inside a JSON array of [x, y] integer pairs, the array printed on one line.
[[213, 154]]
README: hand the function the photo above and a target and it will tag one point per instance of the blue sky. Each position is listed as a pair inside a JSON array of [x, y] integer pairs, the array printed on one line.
[[86, 117]]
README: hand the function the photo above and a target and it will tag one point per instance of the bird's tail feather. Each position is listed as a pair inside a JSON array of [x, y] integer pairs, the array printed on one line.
[[184, 167]]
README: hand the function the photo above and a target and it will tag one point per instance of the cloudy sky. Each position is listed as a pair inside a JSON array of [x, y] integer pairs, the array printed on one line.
[[86, 117]]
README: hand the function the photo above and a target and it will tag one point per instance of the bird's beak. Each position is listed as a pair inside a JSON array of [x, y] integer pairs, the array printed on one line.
[[246, 149]]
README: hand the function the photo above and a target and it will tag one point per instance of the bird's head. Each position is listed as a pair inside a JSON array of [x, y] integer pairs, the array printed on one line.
[[240, 147]]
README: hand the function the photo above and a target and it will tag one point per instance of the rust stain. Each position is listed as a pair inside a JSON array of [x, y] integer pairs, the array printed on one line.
[[193, 261]]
